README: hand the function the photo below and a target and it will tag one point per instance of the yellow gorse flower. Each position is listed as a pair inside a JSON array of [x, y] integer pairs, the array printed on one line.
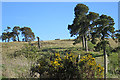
[[87, 61], [55, 62], [71, 58], [67, 54], [51, 62], [59, 59], [83, 57], [89, 56], [90, 63], [93, 58], [57, 54], [66, 57]]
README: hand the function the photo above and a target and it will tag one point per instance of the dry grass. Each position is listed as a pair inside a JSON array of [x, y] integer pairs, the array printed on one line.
[[58, 43], [12, 68], [113, 43], [19, 67]]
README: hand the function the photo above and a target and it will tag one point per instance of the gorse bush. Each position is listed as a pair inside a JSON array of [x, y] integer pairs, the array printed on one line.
[[63, 67], [68, 67], [89, 67]]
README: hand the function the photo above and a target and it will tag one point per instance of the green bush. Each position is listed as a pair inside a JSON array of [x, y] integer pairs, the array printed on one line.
[[40, 66], [90, 46], [99, 47], [109, 49], [117, 49], [30, 52], [113, 63]]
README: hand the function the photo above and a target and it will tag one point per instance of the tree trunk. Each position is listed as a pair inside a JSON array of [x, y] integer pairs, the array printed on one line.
[[105, 61], [79, 57], [26, 40], [83, 42], [8, 39], [89, 35], [86, 46], [18, 38]]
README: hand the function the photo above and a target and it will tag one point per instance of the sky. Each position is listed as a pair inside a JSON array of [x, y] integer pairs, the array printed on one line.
[[49, 20], [60, 0]]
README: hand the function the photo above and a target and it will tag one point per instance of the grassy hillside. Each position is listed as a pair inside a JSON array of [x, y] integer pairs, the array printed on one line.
[[15, 65], [12, 67]]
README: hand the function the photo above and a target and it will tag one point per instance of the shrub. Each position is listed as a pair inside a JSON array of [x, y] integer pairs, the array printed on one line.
[[109, 49], [117, 49], [99, 47], [30, 52], [39, 67], [90, 46], [89, 67], [69, 67], [113, 63]]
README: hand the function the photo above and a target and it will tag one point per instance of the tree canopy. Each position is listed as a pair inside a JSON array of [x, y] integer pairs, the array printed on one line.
[[27, 33], [16, 31], [89, 26], [83, 24]]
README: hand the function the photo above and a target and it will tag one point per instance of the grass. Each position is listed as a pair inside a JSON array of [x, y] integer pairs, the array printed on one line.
[[11, 65], [19, 66]]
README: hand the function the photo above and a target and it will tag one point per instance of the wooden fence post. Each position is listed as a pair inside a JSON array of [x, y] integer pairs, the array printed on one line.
[[38, 42], [79, 57]]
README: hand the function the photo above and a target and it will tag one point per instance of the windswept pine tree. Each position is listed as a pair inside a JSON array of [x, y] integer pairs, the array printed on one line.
[[28, 34], [8, 33], [89, 26], [117, 36], [11, 35], [105, 29], [79, 24], [83, 24], [4, 36], [16, 31]]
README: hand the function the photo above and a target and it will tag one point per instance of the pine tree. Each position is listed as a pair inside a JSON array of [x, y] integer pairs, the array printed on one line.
[[82, 24], [105, 29], [28, 34], [16, 31]]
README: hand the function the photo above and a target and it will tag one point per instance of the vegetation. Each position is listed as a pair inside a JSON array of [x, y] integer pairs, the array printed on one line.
[[24, 55], [26, 32], [68, 67], [84, 57], [83, 24], [16, 32], [100, 27]]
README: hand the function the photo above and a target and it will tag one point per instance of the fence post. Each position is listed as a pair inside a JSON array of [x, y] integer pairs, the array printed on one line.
[[79, 57], [38, 42]]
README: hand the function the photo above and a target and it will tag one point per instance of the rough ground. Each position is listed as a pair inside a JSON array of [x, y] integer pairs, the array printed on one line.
[[19, 66]]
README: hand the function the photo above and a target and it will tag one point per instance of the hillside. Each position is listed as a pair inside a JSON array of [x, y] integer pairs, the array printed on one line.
[[15, 67]]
